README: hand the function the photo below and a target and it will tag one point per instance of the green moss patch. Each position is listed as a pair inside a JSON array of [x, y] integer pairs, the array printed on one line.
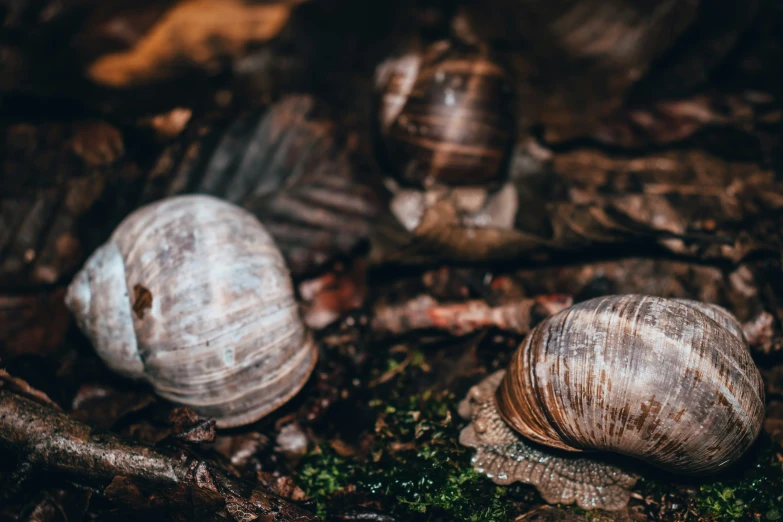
[[756, 495], [753, 492], [415, 465]]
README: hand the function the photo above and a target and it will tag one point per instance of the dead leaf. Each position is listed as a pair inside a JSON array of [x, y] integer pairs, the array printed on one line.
[[97, 143], [32, 324], [169, 125], [240, 448], [203, 432], [773, 423], [122, 488], [342, 448], [197, 33], [21, 387], [283, 486], [330, 296], [101, 406]]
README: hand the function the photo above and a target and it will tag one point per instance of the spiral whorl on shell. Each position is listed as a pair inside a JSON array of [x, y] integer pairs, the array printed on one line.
[[445, 116], [192, 295], [667, 381], [644, 376]]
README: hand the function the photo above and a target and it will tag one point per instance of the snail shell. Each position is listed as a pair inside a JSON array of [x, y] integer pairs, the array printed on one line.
[[444, 116], [667, 381], [192, 295]]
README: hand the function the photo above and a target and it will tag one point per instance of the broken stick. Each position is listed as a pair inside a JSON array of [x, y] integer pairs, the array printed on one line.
[[424, 312], [132, 474]]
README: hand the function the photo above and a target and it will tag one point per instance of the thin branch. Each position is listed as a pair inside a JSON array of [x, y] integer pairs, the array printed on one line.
[[130, 473], [424, 312]]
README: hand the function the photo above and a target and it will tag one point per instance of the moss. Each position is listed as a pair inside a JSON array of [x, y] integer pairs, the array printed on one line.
[[324, 472], [754, 491], [755, 495], [416, 468]]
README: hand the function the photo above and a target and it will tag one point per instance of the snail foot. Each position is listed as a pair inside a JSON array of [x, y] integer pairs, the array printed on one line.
[[504, 457]]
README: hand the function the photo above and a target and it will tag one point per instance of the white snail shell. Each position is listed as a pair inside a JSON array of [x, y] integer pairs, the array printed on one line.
[[192, 295], [667, 381]]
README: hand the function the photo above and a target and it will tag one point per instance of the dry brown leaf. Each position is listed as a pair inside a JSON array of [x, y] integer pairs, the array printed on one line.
[[283, 486], [32, 324], [168, 125], [21, 387], [97, 143], [198, 33]]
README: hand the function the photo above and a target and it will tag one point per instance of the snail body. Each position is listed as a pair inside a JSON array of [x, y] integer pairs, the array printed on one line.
[[444, 116], [670, 382], [192, 295]]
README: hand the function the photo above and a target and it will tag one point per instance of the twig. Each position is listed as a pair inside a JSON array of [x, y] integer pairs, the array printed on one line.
[[389, 375], [130, 473], [424, 312]]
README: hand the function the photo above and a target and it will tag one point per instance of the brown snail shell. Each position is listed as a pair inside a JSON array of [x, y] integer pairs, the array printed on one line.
[[192, 295], [444, 116], [655, 379]]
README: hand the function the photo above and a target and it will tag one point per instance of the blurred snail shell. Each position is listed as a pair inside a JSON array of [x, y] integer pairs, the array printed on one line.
[[192, 295], [667, 381], [444, 116]]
